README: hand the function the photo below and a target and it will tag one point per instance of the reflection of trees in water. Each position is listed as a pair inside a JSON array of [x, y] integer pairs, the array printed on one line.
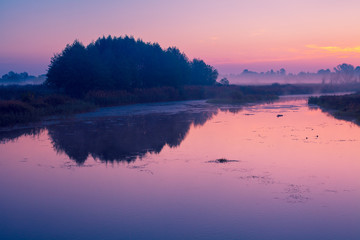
[[7, 136], [125, 138], [337, 115], [119, 138]]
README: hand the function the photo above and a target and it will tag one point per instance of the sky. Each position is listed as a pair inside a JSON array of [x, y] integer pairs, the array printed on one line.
[[231, 35]]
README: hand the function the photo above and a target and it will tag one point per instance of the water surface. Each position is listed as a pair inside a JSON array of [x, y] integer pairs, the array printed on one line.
[[149, 172]]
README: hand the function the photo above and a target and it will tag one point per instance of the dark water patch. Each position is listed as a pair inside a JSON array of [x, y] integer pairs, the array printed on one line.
[[115, 135]]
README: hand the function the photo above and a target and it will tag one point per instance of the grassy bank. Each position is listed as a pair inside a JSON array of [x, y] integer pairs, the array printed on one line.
[[343, 107], [22, 104], [31, 109], [228, 94]]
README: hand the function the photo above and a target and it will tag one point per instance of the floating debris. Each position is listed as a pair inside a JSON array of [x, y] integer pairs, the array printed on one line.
[[223, 160], [279, 115]]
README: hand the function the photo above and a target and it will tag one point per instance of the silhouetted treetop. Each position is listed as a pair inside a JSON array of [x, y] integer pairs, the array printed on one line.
[[124, 63], [345, 73]]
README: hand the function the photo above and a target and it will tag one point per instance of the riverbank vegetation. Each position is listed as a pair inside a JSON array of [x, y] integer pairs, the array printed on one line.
[[117, 71], [31, 108], [342, 106], [22, 104]]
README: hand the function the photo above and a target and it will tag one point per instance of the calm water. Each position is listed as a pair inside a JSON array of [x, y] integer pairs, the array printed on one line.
[[149, 172]]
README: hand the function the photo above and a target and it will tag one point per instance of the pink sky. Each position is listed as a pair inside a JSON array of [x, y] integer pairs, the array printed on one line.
[[231, 35]]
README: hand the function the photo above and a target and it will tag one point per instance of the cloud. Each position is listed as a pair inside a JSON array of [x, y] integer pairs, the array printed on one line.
[[335, 49]]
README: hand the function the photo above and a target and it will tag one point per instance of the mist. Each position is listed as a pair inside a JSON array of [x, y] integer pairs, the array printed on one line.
[[341, 74]]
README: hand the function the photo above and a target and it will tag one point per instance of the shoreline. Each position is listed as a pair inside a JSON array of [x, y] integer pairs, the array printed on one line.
[[343, 107], [169, 107], [34, 104]]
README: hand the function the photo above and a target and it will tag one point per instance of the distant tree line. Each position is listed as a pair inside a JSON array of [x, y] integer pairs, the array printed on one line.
[[343, 73], [124, 63], [282, 72], [12, 76]]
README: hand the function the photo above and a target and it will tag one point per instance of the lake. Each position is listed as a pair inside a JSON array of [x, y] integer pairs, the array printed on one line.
[[151, 172]]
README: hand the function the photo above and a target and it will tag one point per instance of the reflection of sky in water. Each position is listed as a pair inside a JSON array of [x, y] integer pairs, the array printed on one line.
[[296, 176]]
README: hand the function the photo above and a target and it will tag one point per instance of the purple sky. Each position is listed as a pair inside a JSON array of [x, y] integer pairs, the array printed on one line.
[[231, 35]]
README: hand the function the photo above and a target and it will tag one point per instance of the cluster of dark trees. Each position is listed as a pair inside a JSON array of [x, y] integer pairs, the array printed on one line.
[[13, 76], [124, 63]]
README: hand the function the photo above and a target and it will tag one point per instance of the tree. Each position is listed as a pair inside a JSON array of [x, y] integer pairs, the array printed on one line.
[[202, 74], [124, 63], [73, 70], [324, 74], [282, 72], [357, 74], [12, 76], [345, 73], [246, 71], [224, 81]]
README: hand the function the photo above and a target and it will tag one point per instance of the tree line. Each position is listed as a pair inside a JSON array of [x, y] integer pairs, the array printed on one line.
[[124, 63], [13, 76], [342, 74]]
